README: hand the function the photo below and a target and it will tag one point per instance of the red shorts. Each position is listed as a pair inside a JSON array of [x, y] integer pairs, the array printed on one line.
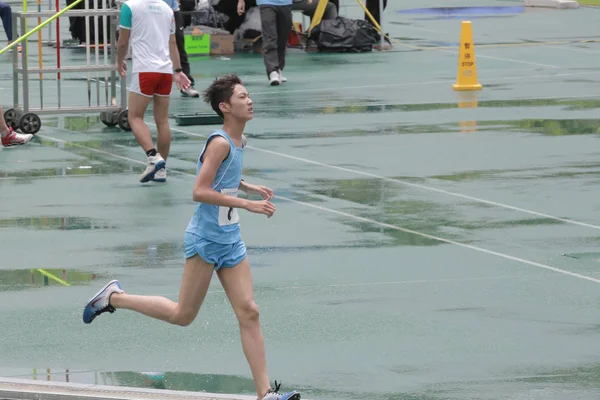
[[151, 83]]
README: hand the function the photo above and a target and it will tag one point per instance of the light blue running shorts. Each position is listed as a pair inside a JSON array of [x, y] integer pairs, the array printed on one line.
[[221, 255]]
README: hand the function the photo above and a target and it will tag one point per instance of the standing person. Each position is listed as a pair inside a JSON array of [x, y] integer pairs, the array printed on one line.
[[276, 25], [213, 240], [6, 17], [9, 137], [183, 57], [150, 25], [309, 8], [373, 7]]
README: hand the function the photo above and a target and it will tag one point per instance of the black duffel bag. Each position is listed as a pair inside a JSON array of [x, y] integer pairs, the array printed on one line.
[[344, 35]]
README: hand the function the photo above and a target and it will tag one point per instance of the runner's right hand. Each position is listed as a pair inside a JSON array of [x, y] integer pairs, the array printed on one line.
[[123, 69], [182, 81], [261, 207]]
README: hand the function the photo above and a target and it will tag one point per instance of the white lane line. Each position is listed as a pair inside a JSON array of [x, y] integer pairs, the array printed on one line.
[[362, 219]]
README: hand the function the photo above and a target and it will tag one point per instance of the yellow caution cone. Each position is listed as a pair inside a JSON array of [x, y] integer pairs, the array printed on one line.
[[467, 67]]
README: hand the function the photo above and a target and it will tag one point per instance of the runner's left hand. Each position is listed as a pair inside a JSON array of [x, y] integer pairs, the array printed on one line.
[[264, 192]]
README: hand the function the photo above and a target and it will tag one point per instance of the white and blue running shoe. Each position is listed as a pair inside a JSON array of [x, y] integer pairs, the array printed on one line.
[[273, 394], [100, 303], [153, 165]]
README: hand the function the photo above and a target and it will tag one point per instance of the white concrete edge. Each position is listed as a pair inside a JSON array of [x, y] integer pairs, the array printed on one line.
[[560, 4], [36, 389]]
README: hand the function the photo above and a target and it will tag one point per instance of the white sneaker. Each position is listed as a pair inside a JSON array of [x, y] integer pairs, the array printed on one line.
[[154, 164], [274, 78], [281, 77], [190, 92], [161, 175]]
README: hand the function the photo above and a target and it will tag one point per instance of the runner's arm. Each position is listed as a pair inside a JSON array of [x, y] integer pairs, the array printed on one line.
[[216, 151], [174, 53], [124, 33]]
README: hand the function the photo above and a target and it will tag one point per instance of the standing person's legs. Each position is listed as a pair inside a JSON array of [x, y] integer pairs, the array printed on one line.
[[143, 87], [163, 137], [183, 57], [3, 126], [6, 16], [336, 4], [309, 7], [373, 7], [284, 27], [268, 18]]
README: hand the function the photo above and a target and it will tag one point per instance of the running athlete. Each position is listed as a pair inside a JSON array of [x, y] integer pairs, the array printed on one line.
[[150, 25], [10, 138], [213, 240]]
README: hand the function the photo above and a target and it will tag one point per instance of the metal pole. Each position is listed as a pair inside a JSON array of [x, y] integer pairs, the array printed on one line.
[[113, 60], [58, 77], [105, 47], [381, 22], [96, 51], [15, 65], [40, 61], [50, 24], [87, 52], [25, 67]]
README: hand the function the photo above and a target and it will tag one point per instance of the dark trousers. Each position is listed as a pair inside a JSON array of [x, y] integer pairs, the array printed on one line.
[[6, 16], [183, 57], [373, 7], [276, 25], [229, 8]]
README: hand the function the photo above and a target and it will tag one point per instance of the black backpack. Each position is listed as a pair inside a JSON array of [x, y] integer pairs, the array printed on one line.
[[343, 35]]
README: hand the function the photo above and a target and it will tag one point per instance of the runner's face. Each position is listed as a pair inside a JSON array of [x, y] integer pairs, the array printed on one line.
[[240, 104]]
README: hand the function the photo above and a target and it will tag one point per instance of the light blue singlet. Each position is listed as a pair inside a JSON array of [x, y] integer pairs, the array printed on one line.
[[211, 222]]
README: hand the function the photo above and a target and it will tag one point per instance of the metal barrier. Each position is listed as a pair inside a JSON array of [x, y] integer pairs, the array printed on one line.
[[25, 118]]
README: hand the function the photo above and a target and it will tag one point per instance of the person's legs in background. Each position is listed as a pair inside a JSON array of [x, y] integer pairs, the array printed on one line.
[[336, 4], [308, 8], [268, 22], [284, 27], [373, 7], [183, 57], [6, 17]]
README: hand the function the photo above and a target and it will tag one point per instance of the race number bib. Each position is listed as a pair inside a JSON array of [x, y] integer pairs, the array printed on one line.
[[228, 215]]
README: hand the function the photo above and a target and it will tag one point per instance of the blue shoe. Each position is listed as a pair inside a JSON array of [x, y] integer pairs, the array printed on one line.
[[273, 394], [100, 303]]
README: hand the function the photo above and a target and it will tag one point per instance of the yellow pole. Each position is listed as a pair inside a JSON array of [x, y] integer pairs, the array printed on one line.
[[37, 28]]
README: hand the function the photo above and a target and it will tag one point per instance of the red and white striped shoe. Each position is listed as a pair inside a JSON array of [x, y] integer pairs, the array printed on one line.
[[13, 138]]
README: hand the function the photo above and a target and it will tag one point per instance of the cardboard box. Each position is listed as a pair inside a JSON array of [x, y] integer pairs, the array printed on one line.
[[221, 44], [196, 42]]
